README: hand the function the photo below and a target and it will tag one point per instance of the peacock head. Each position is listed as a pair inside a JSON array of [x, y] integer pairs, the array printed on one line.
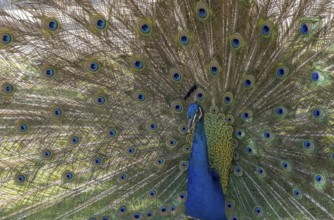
[[194, 114]]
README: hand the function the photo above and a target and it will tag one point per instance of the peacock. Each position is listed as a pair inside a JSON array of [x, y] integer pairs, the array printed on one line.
[[166, 109]]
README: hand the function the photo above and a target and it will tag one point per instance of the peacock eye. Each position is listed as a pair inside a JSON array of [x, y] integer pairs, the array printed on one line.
[[6, 38], [184, 40], [21, 178], [105, 218], [74, 139], [68, 176], [258, 211], [305, 28], [136, 216], [265, 29], [98, 161], [53, 25]]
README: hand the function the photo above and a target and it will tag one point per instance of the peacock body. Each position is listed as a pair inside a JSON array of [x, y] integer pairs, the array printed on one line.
[[166, 109]]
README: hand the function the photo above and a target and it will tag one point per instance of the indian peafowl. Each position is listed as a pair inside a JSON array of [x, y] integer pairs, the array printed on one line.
[[166, 109]]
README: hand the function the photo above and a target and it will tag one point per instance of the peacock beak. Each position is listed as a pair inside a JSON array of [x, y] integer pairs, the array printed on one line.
[[190, 125]]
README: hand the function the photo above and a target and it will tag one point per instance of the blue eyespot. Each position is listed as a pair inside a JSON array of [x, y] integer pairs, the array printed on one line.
[[6, 38], [172, 208], [249, 150], [201, 12], [94, 66], [136, 215], [245, 116], [200, 96], [280, 111], [141, 97], [100, 100], [280, 72], [100, 23], [265, 29], [258, 211], [7, 89], [57, 112], [159, 162], [122, 177], [171, 142], [105, 218], [182, 197], [238, 171], [332, 156], [75, 139], [318, 113], [122, 209], [239, 134], [112, 132], [183, 165], [23, 127], [267, 135], [152, 193], [315, 76], [53, 25], [186, 149], [304, 28], [235, 43], [131, 150], [149, 214], [68, 176], [177, 107], [285, 165], [21, 178], [46, 154], [145, 28], [163, 209], [184, 40], [308, 145], [318, 178], [98, 161], [261, 172], [138, 64], [214, 70], [177, 76], [229, 205], [247, 83], [297, 193], [49, 72]]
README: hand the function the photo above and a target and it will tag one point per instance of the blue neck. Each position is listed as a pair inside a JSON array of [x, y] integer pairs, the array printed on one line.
[[205, 199]]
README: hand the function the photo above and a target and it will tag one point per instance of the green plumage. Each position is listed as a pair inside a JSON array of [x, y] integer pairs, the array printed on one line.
[[93, 108]]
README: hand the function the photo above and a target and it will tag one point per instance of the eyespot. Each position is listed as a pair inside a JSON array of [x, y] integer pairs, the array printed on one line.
[[183, 129], [175, 75], [122, 177], [22, 127], [97, 161], [112, 132], [7, 89], [266, 29], [238, 171], [171, 142], [68, 176], [6, 38], [250, 150], [200, 94], [136, 216], [74, 139], [247, 115], [228, 98], [182, 197], [46, 154], [239, 134], [213, 109], [332, 155], [144, 27], [177, 106], [248, 82], [163, 210], [122, 209], [152, 126], [50, 24], [131, 150], [105, 218], [317, 76], [214, 68], [260, 172], [149, 214], [20, 179], [140, 96], [138, 64], [229, 205], [159, 162], [183, 165], [258, 211], [236, 41], [98, 22], [152, 194], [186, 149], [48, 72], [318, 113], [308, 146], [267, 135], [202, 10], [236, 156], [92, 66], [282, 72], [285, 165], [184, 39], [172, 209], [92, 218], [281, 111], [234, 217], [305, 28], [57, 112], [99, 100], [297, 193], [319, 179], [229, 119]]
